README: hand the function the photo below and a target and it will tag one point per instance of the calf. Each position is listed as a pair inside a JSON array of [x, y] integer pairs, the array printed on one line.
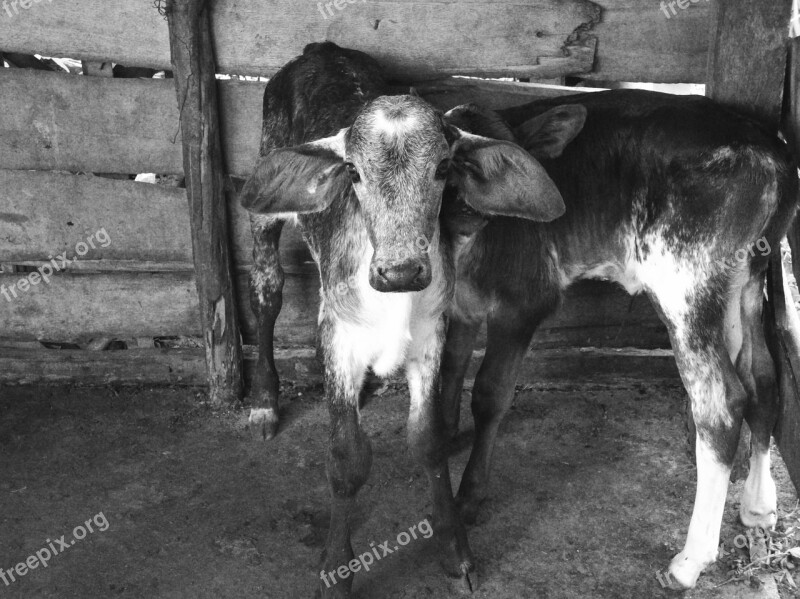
[[364, 173], [676, 197]]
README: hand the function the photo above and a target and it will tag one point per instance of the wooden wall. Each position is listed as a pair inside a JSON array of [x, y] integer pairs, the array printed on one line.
[[616, 40], [57, 129]]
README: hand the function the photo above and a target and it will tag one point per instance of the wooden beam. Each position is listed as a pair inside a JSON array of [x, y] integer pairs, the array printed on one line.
[[147, 226], [139, 304], [416, 40], [791, 130], [747, 56], [195, 82], [97, 124], [636, 41]]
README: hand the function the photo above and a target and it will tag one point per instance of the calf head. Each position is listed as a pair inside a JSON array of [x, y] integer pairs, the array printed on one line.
[[397, 156]]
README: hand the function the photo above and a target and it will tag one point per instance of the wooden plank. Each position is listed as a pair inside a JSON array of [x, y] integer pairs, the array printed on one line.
[[638, 42], [747, 56], [95, 124], [784, 338], [57, 121], [300, 365], [635, 40], [164, 304], [43, 214], [415, 39], [196, 90], [791, 130]]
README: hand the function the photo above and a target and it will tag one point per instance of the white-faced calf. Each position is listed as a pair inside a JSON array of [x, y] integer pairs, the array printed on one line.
[[364, 173], [665, 195]]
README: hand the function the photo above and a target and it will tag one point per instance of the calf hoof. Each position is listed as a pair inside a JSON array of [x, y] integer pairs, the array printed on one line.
[[457, 559], [263, 423], [764, 517], [684, 571], [468, 580], [759, 506]]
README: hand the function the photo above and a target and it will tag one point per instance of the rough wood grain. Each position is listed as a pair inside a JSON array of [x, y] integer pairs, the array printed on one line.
[[791, 130], [194, 67], [164, 304], [300, 366], [95, 124], [637, 42], [416, 39], [43, 214], [57, 121], [747, 56]]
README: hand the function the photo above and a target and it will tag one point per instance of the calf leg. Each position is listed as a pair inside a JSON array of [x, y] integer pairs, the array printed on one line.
[[717, 399], [508, 336], [427, 442], [759, 503], [458, 348], [266, 299], [349, 455]]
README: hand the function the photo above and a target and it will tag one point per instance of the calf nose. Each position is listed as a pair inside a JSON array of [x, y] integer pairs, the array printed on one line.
[[408, 275]]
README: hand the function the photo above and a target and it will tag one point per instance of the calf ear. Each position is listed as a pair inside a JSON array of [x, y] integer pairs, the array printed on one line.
[[303, 178], [500, 178], [546, 135]]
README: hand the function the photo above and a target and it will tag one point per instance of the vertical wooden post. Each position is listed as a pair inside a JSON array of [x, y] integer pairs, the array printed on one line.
[[791, 123], [746, 69], [747, 56], [195, 70]]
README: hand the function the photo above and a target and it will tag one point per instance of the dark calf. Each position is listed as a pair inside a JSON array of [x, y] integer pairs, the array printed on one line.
[[675, 197], [363, 174]]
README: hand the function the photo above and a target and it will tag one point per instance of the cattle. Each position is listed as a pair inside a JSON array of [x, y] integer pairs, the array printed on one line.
[[363, 173], [676, 197]]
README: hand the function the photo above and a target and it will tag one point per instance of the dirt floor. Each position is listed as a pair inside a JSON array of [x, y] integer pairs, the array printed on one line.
[[593, 488]]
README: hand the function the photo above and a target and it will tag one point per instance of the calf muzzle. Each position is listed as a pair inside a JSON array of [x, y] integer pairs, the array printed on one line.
[[413, 274]]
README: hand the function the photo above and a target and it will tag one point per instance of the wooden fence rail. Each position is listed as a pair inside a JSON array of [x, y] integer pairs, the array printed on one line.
[[617, 40]]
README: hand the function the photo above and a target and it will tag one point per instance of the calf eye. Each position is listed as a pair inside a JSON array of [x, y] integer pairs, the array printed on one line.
[[441, 170], [351, 170]]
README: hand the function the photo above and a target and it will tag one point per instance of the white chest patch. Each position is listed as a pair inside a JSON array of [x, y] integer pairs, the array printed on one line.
[[381, 336]]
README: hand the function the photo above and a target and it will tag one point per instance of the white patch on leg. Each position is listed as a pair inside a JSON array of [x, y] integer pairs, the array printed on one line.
[[422, 365], [260, 416], [702, 539], [759, 505], [675, 282]]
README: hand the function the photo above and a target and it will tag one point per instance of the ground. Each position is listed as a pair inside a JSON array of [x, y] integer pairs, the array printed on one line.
[[592, 492]]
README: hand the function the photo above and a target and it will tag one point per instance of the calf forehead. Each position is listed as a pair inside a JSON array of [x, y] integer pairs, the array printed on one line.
[[397, 129]]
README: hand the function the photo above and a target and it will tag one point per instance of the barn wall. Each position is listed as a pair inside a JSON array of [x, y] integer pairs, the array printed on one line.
[[56, 129]]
